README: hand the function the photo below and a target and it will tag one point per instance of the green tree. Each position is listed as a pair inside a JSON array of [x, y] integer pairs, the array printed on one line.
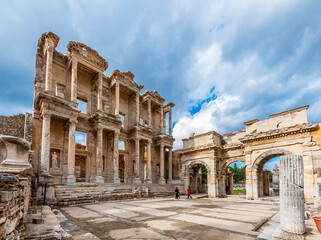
[[204, 172], [239, 173]]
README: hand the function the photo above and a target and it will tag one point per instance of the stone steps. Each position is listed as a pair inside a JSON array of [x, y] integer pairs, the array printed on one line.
[[81, 193]]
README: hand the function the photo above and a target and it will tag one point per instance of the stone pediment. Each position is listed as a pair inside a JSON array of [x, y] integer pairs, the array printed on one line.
[[126, 79], [154, 96], [87, 53]]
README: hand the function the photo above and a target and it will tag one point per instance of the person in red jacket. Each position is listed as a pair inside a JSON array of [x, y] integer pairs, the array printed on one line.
[[189, 193]]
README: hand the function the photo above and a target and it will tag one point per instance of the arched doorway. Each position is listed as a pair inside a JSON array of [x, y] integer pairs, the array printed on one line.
[[261, 177], [233, 178], [198, 177]]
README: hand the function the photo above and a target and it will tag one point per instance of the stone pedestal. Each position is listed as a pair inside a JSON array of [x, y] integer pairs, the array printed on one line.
[[137, 181], [162, 181], [292, 194], [117, 180], [46, 190], [100, 179], [148, 181]]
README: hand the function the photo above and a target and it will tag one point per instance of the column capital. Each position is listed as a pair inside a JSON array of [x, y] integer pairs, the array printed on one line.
[[137, 138], [73, 121], [46, 115], [98, 127], [116, 133]]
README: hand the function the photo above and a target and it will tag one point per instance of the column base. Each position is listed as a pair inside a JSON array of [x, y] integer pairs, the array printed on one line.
[[169, 181], [45, 178], [116, 180], [92, 178], [161, 181], [71, 178], [137, 181], [100, 179], [148, 181]]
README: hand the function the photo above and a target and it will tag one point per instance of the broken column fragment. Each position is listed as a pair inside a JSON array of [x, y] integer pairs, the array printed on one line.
[[292, 194]]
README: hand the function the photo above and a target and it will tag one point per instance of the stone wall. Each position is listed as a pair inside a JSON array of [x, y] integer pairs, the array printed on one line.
[[15, 194], [17, 125]]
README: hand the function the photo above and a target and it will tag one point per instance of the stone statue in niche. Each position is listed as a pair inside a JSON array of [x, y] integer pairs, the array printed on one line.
[[157, 169], [54, 160]]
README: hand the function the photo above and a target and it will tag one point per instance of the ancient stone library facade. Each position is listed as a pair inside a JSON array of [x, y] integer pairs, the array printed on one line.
[[128, 141], [115, 111]]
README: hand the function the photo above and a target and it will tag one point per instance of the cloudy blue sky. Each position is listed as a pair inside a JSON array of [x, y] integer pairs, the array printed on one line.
[[220, 62]]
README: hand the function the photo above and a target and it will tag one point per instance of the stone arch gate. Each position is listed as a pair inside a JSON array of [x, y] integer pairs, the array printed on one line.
[[283, 133]]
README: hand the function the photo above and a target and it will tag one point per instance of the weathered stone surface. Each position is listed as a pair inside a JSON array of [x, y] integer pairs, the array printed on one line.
[[292, 194]]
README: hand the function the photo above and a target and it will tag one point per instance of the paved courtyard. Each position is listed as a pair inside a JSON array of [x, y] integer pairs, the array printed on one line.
[[165, 218]]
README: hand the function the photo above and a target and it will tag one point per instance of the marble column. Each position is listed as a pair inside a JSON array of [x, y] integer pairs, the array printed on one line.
[[49, 59], [149, 162], [137, 179], [45, 143], [99, 155], [149, 112], [100, 92], [170, 122], [170, 165], [224, 185], [74, 64], [162, 165], [162, 118], [292, 194], [116, 158], [117, 98], [137, 108], [71, 151]]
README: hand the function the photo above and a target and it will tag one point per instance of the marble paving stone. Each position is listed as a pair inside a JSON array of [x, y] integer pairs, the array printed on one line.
[[136, 233]]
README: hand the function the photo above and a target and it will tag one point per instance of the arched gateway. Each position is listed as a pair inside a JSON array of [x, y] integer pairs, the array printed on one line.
[[283, 133]]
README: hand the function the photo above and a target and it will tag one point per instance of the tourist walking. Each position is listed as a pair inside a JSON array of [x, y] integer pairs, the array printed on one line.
[[177, 193], [189, 193]]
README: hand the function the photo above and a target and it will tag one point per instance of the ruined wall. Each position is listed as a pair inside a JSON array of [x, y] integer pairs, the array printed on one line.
[[15, 195], [17, 125], [12, 125]]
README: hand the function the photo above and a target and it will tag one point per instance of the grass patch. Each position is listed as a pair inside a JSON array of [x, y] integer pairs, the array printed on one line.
[[239, 191]]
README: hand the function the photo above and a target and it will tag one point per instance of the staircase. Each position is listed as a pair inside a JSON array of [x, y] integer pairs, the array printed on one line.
[[82, 193]]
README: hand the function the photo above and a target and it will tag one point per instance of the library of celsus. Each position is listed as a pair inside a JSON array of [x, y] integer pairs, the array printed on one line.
[[116, 114]]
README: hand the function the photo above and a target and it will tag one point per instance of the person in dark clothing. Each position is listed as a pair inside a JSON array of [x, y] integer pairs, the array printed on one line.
[[177, 193], [189, 193]]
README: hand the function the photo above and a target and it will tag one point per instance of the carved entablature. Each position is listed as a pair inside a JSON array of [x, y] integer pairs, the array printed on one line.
[[87, 54], [153, 96], [126, 79], [48, 40], [168, 107], [278, 133]]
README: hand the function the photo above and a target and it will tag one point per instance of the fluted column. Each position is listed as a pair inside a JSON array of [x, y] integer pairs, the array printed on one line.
[[292, 194], [99, 155], [137, 108], [137, 179], [45, 143], [74, 64], [149, 112], [162, 118], [116, 158], [149, 162], [71, 151], [170, 165], [117, 98], [100, 92], [162, 164], [49, 59]]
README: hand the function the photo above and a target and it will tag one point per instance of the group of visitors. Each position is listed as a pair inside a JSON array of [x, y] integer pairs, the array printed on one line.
[[188, 193]]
